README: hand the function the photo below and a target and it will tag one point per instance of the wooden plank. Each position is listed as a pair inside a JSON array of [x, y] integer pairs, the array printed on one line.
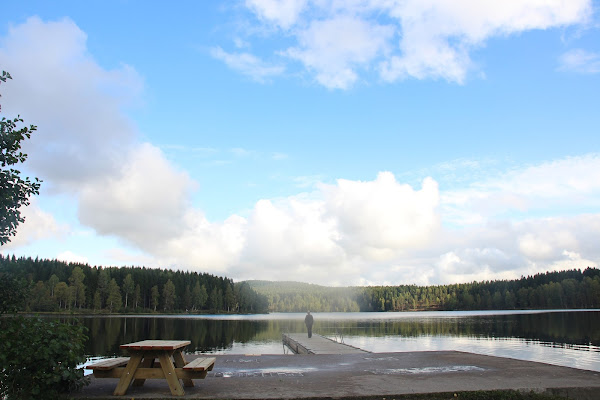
[[150, 373], [201, 364], [109, 363], [156, 345], [127, 375], [180, 362], [170, 375], [147, 362]]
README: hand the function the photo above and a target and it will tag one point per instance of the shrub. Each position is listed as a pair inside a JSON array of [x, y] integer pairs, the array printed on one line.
[[39, 358]]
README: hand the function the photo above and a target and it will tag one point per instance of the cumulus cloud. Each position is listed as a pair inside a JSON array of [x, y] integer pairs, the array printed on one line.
[[336, 233], [333, 48], [580, 61], [378, 218], [86, 147], [571, 183], [38, 225], [437, 37], [143, 203], [337, 41], [76, 104], [348, 232]]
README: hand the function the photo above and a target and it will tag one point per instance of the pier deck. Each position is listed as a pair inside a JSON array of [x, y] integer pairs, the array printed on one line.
[[300, 343]]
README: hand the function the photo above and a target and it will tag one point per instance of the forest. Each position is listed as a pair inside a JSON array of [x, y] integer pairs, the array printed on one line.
[[550, 290], [59, 286]]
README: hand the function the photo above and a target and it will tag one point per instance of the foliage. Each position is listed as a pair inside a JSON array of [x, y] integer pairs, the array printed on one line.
[[128, 288], [301, 297], [169, 295], [15, 191], [552, 290], [38, 358], [59, 286], [12, 293]]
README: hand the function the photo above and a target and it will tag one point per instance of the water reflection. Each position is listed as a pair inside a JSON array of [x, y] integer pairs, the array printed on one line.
[[569, 338], [583, 357]]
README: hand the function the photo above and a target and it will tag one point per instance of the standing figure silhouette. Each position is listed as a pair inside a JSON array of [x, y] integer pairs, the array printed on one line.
[[308, 320]]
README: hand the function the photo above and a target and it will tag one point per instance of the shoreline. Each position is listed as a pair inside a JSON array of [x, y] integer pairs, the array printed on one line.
[[367, 376]]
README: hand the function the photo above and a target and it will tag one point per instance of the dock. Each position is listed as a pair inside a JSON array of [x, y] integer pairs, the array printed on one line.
[[300, 343]]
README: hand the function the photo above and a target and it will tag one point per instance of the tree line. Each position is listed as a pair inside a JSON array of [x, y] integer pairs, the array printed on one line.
[[60, 286], [551, 290]]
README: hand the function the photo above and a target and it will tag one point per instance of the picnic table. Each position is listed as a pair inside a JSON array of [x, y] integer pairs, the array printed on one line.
[[142, 365]]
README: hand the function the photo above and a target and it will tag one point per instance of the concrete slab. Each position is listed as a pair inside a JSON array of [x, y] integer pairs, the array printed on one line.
[[364, 375]]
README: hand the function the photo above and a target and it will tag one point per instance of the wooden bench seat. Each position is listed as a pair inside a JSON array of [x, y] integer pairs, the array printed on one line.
[[200, 364], [115, 367], [107, 365]]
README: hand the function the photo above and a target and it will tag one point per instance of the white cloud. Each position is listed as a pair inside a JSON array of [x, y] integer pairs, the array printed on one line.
[[38, 225], [473, 264], [76, 104], [69, 256], [334, 48], [379, 218], [202, 245], [283, 13], [572, 260], [337, 40], [247, 64], [349, 232], [339, 234], [581, 61], [572, 184], [144, 203], [438, 36]]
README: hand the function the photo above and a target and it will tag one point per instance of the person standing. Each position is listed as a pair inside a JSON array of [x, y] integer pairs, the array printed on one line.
[[308, 320]]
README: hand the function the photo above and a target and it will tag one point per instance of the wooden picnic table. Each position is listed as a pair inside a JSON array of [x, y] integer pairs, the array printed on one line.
[[142, 365]]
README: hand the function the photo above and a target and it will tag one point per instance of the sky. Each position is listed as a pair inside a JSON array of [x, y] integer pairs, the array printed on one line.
[[337, 142]]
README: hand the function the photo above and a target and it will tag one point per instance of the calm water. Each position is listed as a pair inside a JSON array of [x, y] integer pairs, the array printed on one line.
[[570, 338]]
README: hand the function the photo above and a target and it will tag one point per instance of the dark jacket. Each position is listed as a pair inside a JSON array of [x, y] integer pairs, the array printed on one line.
[[308, 320]]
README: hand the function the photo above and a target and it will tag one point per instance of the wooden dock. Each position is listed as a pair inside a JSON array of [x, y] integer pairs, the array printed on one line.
[[299, 343]]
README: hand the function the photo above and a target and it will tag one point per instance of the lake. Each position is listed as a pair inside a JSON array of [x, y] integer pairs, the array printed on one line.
[[562, 337]]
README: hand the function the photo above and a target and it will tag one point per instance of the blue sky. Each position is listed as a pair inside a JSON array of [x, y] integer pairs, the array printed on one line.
[[333, 142]]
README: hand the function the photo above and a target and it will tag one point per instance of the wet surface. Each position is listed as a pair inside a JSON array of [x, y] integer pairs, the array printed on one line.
[[367, 374]]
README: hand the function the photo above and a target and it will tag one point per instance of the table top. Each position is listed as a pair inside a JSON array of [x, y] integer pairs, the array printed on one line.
[[156, 345]]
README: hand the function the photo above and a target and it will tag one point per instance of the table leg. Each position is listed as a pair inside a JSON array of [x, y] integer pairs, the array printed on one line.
[[128, 373], [180, 363], [147, 362], [169, 370]]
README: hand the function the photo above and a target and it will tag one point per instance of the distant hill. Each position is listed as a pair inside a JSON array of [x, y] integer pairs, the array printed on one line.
[[550, 290], [284, 285], [289, 296]]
